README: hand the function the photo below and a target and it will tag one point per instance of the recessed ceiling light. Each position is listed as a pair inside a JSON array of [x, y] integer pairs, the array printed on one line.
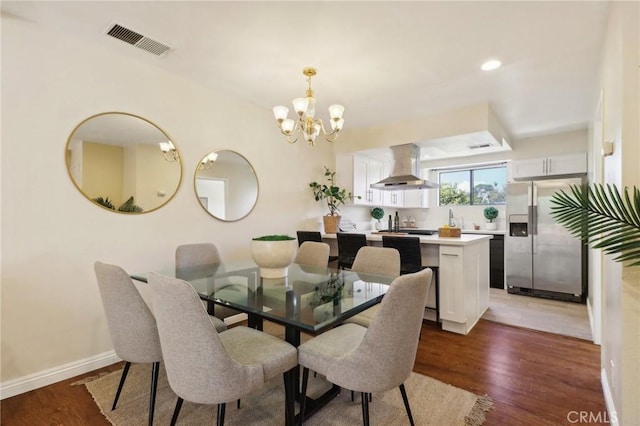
[[491, 65]]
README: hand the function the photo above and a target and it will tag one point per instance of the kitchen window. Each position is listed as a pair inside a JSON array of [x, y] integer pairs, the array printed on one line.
[[475, 186]]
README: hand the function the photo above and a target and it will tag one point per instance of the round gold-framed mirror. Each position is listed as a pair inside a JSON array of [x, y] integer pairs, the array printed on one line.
[[123, 163], [226, 185]]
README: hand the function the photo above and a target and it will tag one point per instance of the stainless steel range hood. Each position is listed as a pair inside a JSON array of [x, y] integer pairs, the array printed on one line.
[[405, 172]]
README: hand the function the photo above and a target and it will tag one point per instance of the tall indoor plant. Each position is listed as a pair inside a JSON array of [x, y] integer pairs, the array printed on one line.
[[602, 215], [334, 197]]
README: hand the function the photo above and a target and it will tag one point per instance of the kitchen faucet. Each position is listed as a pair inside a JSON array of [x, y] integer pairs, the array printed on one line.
[[452, 223]]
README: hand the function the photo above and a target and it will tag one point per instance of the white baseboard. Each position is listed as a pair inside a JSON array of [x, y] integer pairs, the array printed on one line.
[[53, 375], [608, 399]]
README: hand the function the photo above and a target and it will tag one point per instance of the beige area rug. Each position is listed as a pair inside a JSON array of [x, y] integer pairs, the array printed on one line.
[[432, 403]]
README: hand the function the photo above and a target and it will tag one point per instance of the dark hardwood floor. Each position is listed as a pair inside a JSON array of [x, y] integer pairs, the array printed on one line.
[[534, 378]]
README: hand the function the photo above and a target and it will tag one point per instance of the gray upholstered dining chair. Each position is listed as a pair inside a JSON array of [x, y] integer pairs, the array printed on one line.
[[378, 261], [202, 255], [313, 254], [207, 367], [314, 236], [131, 324], [374, 359]]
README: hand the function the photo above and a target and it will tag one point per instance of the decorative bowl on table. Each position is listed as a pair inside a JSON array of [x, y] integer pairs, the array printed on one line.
[[273, 254]]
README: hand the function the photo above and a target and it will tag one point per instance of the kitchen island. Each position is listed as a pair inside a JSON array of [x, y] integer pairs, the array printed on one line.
[[463, 274]]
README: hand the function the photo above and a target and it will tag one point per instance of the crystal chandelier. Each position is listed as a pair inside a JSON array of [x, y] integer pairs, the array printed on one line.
[[306, 123]]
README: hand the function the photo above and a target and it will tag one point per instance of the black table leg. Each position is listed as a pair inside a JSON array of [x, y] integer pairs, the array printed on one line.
[[254, 321], [312, 405]]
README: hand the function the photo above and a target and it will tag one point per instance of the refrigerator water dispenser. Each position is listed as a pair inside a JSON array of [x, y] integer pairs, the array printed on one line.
[[518, 225]]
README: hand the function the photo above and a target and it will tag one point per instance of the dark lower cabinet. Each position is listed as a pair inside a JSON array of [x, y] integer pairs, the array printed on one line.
[[496, 262]]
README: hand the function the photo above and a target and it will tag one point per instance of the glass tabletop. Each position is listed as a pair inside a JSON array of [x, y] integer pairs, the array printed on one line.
[[309, 298]]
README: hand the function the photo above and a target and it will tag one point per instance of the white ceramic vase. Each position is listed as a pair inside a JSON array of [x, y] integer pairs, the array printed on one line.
[[491, 226], [274, 257]]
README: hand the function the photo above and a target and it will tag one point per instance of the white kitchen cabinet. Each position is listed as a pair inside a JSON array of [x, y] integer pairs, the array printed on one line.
[[463, 276], [366, 171], [464, 285], [391, 198], [559, 165]]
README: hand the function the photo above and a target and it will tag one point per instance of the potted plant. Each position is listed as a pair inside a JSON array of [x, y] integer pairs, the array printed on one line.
[[273, 254], [377, 213], [491, 213], [334, 196]]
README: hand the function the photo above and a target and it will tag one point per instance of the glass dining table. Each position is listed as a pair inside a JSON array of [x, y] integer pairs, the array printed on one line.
[[309, 299]]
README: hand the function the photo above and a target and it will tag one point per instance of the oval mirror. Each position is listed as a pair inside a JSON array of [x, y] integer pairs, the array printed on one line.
[[226, 185], [123, 162]]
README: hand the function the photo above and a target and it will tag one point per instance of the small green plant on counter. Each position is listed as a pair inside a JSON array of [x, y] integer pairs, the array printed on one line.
[[490, 213], [377, 213], [274, 238]]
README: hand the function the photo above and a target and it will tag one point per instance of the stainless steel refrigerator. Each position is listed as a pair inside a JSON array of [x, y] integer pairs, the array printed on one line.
[[541, 257]]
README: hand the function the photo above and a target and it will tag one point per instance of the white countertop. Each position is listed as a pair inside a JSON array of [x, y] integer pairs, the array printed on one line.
[[484, 231], [463, 240], [464, 231]]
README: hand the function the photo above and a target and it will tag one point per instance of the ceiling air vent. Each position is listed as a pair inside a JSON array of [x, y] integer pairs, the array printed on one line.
[[483, 145], [137, 40]]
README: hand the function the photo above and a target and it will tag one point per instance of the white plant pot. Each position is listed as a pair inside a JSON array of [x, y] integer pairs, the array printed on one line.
[[274, 257], [491, 226]]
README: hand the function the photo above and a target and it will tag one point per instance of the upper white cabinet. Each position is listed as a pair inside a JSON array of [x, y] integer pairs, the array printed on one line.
[[568, 164], [366, 171]]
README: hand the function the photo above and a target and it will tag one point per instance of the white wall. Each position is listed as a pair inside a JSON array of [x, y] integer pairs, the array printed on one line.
[[620, 86], [51, 235]]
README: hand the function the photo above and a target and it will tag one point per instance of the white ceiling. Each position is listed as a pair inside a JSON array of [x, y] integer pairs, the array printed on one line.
[[384, 61]]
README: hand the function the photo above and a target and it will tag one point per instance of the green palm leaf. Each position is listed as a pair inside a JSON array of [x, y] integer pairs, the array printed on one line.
[[603, 217]]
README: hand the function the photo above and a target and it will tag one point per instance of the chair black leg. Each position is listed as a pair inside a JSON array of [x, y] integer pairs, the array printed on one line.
[[221, 408], [353, 396], [238, 404], [290, 388], [122, 379], [303, 393], [406, 403], [176, 411], [365, 408], [155, 370]]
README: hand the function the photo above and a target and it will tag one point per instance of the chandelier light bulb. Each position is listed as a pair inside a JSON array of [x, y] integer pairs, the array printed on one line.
[[300, 105], [280, 113], [287, 126], [169, 151], [336, 111]]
